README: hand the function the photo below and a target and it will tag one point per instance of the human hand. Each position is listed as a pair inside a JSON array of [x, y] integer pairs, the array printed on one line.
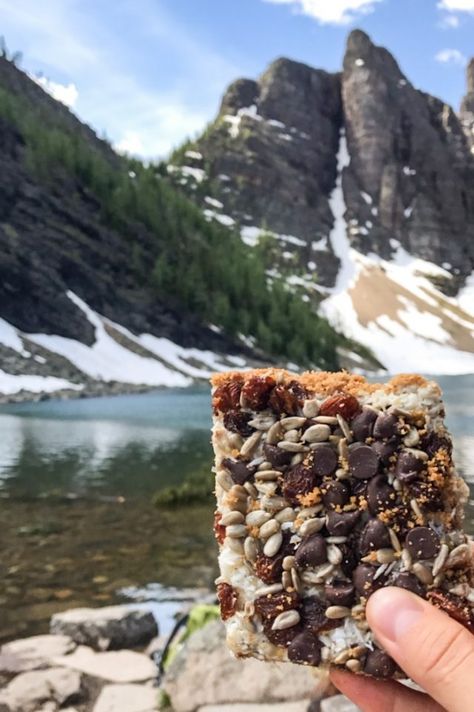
[[431, 648]]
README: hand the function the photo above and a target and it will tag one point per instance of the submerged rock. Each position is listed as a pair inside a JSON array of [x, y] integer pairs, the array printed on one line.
[[33, 653], [112, 627]]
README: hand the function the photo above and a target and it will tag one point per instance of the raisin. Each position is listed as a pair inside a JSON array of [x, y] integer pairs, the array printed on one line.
[[287, 399], [297, 481], [340, 404], [238, 422], [454, 606], [269, 568], [313, 616], [227, 600], [219, 530], [227, 396], [270, 606], [256, 392]]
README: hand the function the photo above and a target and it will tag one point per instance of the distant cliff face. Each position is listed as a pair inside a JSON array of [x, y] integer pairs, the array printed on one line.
[[337, 178]]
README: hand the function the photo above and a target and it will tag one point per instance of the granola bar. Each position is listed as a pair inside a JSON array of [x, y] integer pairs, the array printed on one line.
[[329, 487]]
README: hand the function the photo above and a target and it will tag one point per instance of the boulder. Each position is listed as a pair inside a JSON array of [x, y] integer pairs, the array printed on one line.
[[127, 698], [46, 690], [205, 673], [33, 653], [111, 627], [117, 666]]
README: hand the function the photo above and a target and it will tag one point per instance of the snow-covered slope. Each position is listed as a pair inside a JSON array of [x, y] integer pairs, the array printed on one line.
[[394, 307], [116, 355]]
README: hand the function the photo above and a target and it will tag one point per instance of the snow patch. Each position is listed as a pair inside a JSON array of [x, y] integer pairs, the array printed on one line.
[[366, 197], [194, 154], [285, 136], [212, 201], [9, 338], [338, 234], [408, 211], [222, 219], [10, 384], [319, 245], [235, 119], [409, 171], [359, 62], [277, 124], [250, 235], [188, 171]]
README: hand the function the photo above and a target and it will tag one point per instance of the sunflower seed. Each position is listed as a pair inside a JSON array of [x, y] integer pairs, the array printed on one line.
[[296, 581], [458, 556], [297, 458], [274, 434], [224, 480], [326, 419], [292, 447], [385, 556], [286, 515], [288, 563], [318, 574], [336, 539], [422, 573], [250, 549], [273, 544], [236, 531], [342, 474], [311, 408], [441, 559], [257, 517], [381, 569], [273, 504], [262, 423], [307, 512], [285, 620], [251, 444], [238, 492], [257, 462], [335, 612], [317, 433], [342, 449], [264, 465], [420, 454], [292, 422], [412, 438], [416, 508], [249, 609], [406, 559], [235, 544], [267, 475], [438, 579], [268, 590], [251, 489], [334, 555], [286, 580], [232, 518], [460, 589], [342, 657], [344, 427], [354, 665], [397, 485], [269, 528], [311, 526]]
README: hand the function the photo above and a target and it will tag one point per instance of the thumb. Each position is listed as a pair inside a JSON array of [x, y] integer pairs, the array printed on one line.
[[435, 651]]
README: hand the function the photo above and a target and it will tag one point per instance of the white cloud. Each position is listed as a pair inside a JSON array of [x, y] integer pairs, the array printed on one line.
[[449, 22], [451, 56], [457, 5], [65, 93], [335, 12]]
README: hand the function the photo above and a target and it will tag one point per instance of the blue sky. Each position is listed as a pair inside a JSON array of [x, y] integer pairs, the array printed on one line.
[[148, 73]]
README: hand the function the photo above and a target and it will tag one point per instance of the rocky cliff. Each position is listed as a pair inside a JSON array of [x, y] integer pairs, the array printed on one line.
[[358, 190]]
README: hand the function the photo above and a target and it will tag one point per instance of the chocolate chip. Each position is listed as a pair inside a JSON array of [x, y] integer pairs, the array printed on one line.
[[239, 471], [363, 424], [408, 467], [341, 523], [335, 493], [410, 583], [276, 456], [374, 536], [379, 664], [340, 593], [349, 559], [363, 580], [282, 638], [311, 551], [269, 568], [363, 462], [313, 615], [305, 648], [324, 461], [422, 543], [380, 495], [386, 425], [386, 450]]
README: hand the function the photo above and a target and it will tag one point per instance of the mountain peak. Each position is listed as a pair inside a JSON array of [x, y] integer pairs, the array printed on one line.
[[470, 76]]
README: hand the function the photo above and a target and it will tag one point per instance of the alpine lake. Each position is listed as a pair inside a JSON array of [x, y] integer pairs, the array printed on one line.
[[78, 521]]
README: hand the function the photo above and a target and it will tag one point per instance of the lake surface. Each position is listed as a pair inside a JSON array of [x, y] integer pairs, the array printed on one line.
[[77, 478]]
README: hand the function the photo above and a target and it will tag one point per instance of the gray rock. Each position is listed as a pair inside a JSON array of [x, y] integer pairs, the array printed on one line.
[[33, 653], [111, 627], [205, 673], [117, 666], [48, 689], [127, 698], [467, 106]]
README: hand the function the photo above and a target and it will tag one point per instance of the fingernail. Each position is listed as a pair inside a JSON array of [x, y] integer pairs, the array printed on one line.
[[393, 611]]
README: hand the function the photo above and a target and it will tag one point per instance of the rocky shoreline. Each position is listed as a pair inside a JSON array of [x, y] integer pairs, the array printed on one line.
[[105, 660]]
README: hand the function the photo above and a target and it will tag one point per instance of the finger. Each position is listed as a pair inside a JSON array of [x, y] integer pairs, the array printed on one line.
[[381, 696], [430, 647]]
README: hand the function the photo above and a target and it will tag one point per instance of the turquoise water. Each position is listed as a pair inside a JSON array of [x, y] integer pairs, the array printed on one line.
[[76, 484]]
